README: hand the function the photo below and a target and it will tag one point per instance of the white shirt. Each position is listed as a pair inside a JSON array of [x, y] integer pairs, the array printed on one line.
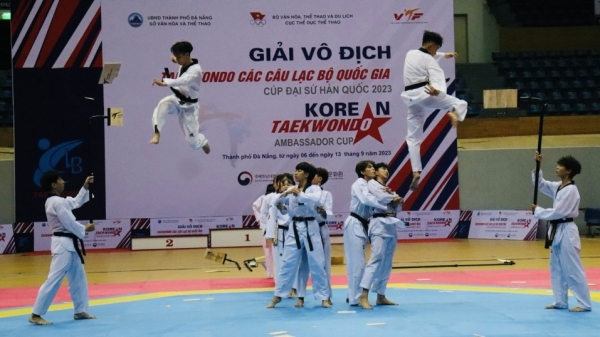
[[60, 216], [421, 67], [363, 202], [187, 83], [304, 204]]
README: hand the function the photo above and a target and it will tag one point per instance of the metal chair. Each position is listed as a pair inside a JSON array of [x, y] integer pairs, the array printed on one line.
[[591, 218]]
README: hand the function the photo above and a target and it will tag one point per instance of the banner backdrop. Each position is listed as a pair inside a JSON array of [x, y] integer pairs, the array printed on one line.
[[510, 225], [283, 82], [57, 61]]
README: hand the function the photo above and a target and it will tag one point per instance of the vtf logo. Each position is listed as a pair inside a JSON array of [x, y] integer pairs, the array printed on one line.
[[57, 158], [409, 14], [258, 19]]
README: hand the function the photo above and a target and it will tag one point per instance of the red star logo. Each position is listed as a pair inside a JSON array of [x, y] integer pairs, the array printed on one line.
[[117, 232], [527, 223], [339, 225], [371, 124], [257, 15], [2, 236]]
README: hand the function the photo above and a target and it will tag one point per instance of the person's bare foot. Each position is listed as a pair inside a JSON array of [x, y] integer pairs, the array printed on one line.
[[38, 320], [578, 309], [274, 301], [363, 302], [299, 302], [382, 300], [329, 301], [553, 306], [414, 185], [206, 148], [326, 303], [453, 118], [156, 138], [292, 293], [83, 315]]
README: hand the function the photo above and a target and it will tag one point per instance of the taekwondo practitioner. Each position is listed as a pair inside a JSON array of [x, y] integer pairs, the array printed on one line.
[[277, 222], [425, 89], [301, 203], [67, 258], [261, 214], [566, 269], [184, 101], [383, 237], [325, 210], [356, 227]]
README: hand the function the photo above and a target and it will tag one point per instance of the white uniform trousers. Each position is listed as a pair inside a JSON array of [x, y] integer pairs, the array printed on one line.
[[268, 257], [303, 270], [63, 263], [355, 241], [566, 270], [188, 119], [383, 246], [292, 256], [418, 113]]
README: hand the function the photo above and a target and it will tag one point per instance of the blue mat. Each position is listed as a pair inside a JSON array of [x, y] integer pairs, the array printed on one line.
[[420, 313]]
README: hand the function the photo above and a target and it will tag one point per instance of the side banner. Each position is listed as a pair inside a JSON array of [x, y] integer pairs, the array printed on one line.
[[283, 82], [57, 60], [192, 226], [508, 225], [7, 241], [109, 234]]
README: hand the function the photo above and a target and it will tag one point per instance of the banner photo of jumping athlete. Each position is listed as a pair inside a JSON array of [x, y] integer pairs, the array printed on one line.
[[281, 82]]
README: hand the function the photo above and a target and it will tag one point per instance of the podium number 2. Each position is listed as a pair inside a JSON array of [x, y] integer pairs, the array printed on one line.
[[169, 242]]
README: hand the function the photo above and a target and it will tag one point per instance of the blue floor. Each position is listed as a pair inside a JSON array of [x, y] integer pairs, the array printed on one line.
[[420, 313]]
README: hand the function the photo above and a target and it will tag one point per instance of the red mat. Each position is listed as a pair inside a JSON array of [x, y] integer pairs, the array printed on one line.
[[25, 296]]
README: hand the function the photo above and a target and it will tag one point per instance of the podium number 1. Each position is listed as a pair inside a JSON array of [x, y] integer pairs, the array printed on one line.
[[247, 237]]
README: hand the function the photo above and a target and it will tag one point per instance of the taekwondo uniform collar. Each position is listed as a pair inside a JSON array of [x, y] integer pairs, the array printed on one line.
[[424, 50], [50, 195], [184, 69]]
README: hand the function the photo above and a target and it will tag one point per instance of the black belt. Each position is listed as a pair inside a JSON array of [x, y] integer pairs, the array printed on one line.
[[322, 223], [415, 86], [559, 221], [384, 215], [554, 223], [182, 98], [363, 221], [305, 220], [285, 228], [76, 242]]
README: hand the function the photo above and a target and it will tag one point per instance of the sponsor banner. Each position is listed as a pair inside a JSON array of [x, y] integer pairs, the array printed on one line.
[[108, 234], [7, 241], [42, 236], [427, 224], [315, 81], [192, 226], [419, 225], [504, 225]]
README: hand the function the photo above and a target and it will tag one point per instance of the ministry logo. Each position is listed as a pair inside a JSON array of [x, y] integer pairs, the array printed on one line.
[[258, 19]]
